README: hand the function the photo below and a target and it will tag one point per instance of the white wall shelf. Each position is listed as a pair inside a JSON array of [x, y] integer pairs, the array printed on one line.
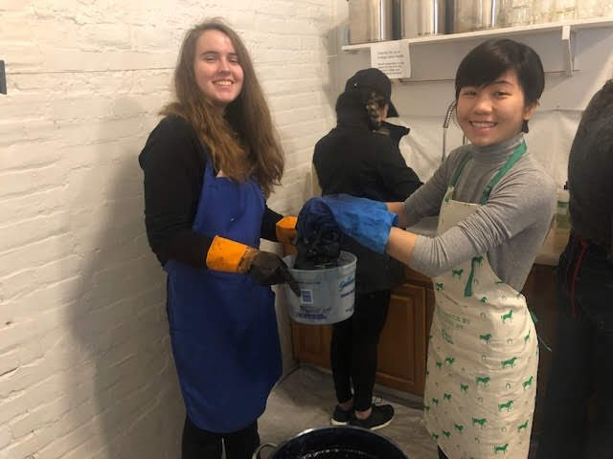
[[564, 30]]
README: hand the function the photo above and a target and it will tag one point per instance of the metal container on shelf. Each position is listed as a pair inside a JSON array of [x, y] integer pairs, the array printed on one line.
[[564, 10], [370, 21], [589, 8], [542, 11], [523, 12], [423, 17], [469, 15]]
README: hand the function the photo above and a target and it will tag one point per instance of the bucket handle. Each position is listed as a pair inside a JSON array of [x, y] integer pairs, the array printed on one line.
[[256, 453]]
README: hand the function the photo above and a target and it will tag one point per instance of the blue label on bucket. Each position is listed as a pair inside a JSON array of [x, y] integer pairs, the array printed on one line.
[[306, 296], [312, 315], [346, 282]]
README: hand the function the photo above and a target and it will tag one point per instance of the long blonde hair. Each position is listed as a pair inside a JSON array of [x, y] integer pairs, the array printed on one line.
[[243, 142]]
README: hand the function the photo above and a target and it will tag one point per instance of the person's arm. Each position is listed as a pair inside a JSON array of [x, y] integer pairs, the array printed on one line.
[[398, 208], [401, 245], [264, 267], [519, 201], [172, 167], [278, 228], [172, 164], [269, 220], [426, 200], [399, 180]]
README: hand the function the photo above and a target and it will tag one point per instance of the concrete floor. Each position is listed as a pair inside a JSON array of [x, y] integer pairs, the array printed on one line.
[[305, 399]]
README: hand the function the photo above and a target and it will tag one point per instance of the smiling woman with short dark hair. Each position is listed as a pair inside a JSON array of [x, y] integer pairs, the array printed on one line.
[[495, 203]]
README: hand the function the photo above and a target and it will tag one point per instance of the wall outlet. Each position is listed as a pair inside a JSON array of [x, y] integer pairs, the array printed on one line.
[[2, 78]]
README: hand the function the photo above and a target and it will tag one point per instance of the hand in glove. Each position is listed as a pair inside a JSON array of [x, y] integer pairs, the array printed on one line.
[[366, 221], [285, 229], [268, 268], [264, 267]]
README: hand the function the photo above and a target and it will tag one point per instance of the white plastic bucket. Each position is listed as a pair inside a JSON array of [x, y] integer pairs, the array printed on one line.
[[327, 295]]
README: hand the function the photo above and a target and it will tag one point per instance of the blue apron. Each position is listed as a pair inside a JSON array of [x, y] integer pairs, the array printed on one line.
[[223, 325]]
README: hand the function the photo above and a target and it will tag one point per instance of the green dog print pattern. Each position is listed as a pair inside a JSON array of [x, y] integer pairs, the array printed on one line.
[[502, 448], [459, 428], [523, 426], [447, 337], [508, 405], [478, 421], [507, 316], [527, 383], [486, 337], [464, 388], [457, 273], [509, 362], [483, 380]]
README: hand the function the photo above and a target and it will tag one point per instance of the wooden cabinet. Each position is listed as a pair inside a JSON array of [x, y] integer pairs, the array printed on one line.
[[311, 344], [403, 343], [540, 292], [402, 347]]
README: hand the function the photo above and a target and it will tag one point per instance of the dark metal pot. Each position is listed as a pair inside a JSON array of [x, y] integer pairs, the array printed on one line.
[[336, 442]]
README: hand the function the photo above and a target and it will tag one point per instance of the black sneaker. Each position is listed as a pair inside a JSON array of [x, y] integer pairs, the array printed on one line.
[[380, 417], [340, 416]]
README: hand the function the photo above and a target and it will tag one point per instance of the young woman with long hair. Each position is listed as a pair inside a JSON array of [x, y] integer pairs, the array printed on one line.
[[209, 166]]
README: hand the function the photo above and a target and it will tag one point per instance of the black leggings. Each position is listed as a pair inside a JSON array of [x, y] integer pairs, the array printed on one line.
[[353, 349], [197, 443]]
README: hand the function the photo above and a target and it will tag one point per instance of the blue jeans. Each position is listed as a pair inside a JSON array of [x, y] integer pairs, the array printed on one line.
[[582, 364]]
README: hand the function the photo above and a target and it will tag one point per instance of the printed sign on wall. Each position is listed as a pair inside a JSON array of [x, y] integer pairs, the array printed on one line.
[[392, 58]]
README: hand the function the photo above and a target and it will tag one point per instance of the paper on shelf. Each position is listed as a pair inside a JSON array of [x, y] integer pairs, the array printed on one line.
[[392, 58]]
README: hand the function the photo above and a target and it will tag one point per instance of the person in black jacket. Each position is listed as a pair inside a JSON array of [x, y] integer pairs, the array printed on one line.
[[208, 166], [582, 362], [361, 157]]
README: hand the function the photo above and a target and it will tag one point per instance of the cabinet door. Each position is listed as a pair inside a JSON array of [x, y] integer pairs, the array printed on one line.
[[402, 347], [540, 291], [403, 341], [311, 344]]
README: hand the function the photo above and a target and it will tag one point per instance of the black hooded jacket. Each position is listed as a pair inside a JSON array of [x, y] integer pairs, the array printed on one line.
[[353, 159]]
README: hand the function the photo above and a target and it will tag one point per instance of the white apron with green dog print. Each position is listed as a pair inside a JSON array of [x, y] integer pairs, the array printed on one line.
[[482, 359]]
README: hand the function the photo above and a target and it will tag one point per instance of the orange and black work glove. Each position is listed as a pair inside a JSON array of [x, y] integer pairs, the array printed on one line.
[[285, 230], [264, 267]]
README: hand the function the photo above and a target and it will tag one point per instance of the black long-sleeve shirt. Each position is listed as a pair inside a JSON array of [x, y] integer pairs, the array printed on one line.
[[590, 171], [353, 159], [173, 161]]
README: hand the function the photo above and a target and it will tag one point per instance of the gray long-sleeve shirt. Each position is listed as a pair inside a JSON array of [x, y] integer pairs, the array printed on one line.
[[510, 228]]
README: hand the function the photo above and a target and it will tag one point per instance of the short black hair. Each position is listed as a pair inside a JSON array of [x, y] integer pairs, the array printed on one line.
[[360, 104], [487, 61]]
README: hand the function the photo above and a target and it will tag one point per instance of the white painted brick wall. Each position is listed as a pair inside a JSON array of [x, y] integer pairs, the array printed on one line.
[[85, 362]]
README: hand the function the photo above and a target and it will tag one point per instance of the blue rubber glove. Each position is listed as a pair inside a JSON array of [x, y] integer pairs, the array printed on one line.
[[366, 221]]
